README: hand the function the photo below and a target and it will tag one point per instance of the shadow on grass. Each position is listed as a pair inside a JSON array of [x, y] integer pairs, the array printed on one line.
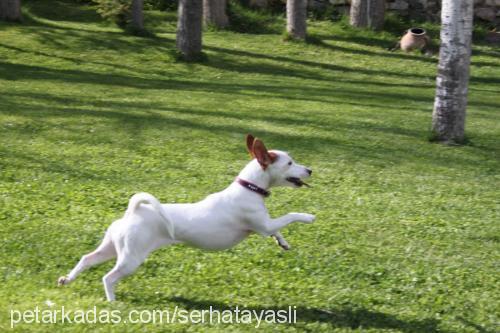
[[40, 14], [477, 327], [243, 19], [160, 110], [70, 38], [10, 71], [22, 160], [343, 90], [62, 10], [233, 64], [348, 317], [319, 40], [64, 38], [134, 117], [327, 66], [73, 60]]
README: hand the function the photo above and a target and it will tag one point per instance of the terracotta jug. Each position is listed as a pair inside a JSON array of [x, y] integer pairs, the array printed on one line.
[[414, 39]]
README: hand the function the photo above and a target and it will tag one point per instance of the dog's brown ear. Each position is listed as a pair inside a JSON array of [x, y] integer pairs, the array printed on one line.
[[261, 154], [250, 140]]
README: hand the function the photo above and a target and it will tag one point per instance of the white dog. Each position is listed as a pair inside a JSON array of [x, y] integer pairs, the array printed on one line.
[[220, 221]]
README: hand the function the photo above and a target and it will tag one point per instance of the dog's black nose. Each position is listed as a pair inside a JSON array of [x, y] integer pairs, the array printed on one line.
[[309, 171]]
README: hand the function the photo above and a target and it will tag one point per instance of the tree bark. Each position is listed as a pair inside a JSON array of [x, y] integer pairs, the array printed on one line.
[[296, 15], [189, 26], [10, 10], [452, 81], [137, 14], [367, 13], [214, 13], [258, 3]]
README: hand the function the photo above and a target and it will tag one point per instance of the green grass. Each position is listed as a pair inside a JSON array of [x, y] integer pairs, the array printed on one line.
[[407, 234]]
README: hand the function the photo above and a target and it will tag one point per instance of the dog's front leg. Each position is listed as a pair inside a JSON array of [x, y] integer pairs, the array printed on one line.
[[267, 226], [278, 237]]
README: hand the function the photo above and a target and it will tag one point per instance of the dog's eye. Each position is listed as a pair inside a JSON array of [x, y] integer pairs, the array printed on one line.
[[290, 163]]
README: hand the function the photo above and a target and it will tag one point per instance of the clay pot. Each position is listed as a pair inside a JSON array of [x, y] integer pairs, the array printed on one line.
[[414, 39]]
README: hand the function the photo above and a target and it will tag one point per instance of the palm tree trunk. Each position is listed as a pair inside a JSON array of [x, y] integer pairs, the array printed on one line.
[[448, 117], [367, 13], [10, 10], [214, 13], [189, 26], [296, 15]]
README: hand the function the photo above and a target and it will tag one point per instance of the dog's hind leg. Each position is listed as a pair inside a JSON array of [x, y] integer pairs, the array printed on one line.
[[129, 259], [122, 268], [105, 251]]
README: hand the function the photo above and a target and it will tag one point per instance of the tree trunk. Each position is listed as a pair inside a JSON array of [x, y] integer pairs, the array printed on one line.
[[10, 10], [448, 118], [214, 13], [258, 3], [189, 26], [296, 14], [137, 15], [368, 13]]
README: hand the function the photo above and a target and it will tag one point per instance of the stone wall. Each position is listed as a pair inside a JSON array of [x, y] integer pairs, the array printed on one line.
[[486, 10]]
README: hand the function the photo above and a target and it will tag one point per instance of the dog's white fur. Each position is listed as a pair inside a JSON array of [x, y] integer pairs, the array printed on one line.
[[220, 221]]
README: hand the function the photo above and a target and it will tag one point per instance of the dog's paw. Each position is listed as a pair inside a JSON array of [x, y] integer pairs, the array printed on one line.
[[282, 243], [62, 281], [285, 246], [307, 218]]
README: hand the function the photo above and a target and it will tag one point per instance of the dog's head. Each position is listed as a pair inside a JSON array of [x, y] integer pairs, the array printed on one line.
[[281, 168]]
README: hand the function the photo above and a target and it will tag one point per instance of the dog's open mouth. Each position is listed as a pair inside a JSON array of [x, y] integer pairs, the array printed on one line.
[[297, 181]]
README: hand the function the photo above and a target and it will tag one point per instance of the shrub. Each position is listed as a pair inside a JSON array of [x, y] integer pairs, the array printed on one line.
[[117, 11], [161, 4], [246, 20]]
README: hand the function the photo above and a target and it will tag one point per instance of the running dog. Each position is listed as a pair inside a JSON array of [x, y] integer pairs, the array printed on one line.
[[218, 222]]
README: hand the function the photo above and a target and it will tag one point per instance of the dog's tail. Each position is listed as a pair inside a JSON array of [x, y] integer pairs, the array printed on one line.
[[140, 198]]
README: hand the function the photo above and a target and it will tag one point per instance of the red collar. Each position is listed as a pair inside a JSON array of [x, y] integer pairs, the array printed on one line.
[[252, 187]]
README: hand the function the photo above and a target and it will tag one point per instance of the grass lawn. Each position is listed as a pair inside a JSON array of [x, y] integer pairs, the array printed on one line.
[[407, 232]]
